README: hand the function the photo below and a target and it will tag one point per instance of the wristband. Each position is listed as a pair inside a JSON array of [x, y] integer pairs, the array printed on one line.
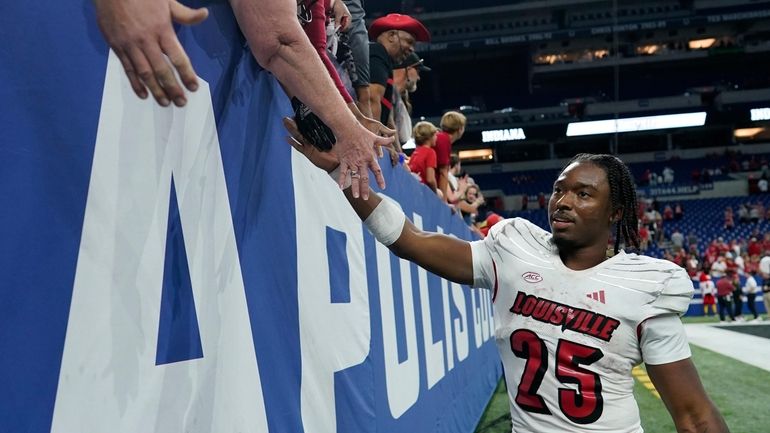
[[386, 222], [335, 175]]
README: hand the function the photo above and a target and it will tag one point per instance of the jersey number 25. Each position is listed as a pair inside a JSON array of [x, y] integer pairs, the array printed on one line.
[[583, 406]]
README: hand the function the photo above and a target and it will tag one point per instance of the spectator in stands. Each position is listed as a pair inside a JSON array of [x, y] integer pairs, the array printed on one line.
[[314, 25], [668, 213], [452, 128], [142, 36], [678, 211], [541, 201], [394, 37], [743, 213], [719, 267], [725, 290], [405, 78], [692, 241], [524, 201], [708, 291], [469, 206], [692, 265], [677, 239], [754, 213], [644, 238], [668, 175], [587, 204], [750, 288], [423, 160], [729, 218], [458, 181], [755, 247], [358, 39]]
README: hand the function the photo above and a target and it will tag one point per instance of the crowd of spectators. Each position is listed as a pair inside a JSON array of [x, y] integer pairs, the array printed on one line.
[[728, 271]]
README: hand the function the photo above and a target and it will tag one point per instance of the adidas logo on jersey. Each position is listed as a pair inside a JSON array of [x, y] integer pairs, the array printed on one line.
[[597, 296]]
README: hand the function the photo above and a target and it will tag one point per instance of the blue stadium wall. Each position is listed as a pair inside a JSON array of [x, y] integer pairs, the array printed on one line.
[[175, 270]]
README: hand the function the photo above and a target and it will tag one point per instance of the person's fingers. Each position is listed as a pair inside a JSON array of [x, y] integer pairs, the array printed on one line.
[[375, 168], [345, 23], [344, 172], [186, 15], [145, 73], [387, 132], [128, 66], [176, 54], [379, 152], [355, 186], [291, 126], [364, 181], [164, 74], [384, 141]]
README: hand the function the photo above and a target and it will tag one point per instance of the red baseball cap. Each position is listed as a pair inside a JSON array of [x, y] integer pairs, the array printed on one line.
[[399, 22]]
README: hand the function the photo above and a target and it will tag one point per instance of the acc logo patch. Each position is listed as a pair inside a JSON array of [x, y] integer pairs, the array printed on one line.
[[532, 277]]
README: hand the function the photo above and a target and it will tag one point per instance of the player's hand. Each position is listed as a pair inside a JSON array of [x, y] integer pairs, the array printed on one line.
[[324, 160], [341, 15], [355, 149], [141, 35]]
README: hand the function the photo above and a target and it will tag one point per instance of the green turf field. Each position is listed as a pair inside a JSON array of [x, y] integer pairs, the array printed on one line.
[[740, 391]]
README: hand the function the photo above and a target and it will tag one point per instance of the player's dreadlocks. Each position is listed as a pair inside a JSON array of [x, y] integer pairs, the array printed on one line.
[[622, 195]]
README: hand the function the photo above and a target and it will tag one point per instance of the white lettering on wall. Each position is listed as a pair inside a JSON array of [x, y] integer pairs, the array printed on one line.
[[333, 336], [109, 381]]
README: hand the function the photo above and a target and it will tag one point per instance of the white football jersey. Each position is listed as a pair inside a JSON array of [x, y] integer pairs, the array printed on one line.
[[569, 339]]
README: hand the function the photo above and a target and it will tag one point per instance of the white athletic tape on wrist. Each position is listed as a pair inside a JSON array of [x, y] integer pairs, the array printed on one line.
[[386, 222], [335, 175]]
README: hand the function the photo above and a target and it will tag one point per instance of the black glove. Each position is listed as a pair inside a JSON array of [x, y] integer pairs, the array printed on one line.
[[311, 126]]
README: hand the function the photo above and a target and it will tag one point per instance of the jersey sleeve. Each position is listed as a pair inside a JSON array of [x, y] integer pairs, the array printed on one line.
[[483, 265], [676, 294], [663, 340]]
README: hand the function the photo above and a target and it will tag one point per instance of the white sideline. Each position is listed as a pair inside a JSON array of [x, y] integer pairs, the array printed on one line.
[[746, 348]]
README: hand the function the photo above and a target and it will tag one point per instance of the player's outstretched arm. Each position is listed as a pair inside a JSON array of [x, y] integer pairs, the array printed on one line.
[[440, 254], [682, 392]]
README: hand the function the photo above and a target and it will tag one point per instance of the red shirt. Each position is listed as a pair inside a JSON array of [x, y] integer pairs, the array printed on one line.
[[725, 286], [422, 158], [443, 148]]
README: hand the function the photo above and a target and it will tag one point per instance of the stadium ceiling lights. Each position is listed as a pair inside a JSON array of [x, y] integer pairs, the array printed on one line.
[[760, 114], [631, 124], [476, 155], [502, 135], [747, 132]]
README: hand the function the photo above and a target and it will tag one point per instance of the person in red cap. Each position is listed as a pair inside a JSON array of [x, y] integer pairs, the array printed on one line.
[[394, 37]]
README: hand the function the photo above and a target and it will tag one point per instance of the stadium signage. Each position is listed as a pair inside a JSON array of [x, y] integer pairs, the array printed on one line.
[[495, 135], [760, 114], [315, 327]]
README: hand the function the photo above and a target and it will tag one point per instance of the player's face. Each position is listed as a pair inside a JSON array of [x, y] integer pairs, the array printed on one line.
[[580, 210]]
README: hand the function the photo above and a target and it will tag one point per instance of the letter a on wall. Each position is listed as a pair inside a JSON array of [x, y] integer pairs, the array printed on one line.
[[112, 377]]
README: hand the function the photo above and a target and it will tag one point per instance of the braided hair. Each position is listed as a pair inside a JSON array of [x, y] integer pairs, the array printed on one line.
[[622, 195]]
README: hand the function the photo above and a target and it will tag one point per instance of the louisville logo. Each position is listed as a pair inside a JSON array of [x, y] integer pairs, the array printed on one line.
[[532, 277]]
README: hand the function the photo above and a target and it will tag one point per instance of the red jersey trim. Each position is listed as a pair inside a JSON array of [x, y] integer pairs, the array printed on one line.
[[494, 294]]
